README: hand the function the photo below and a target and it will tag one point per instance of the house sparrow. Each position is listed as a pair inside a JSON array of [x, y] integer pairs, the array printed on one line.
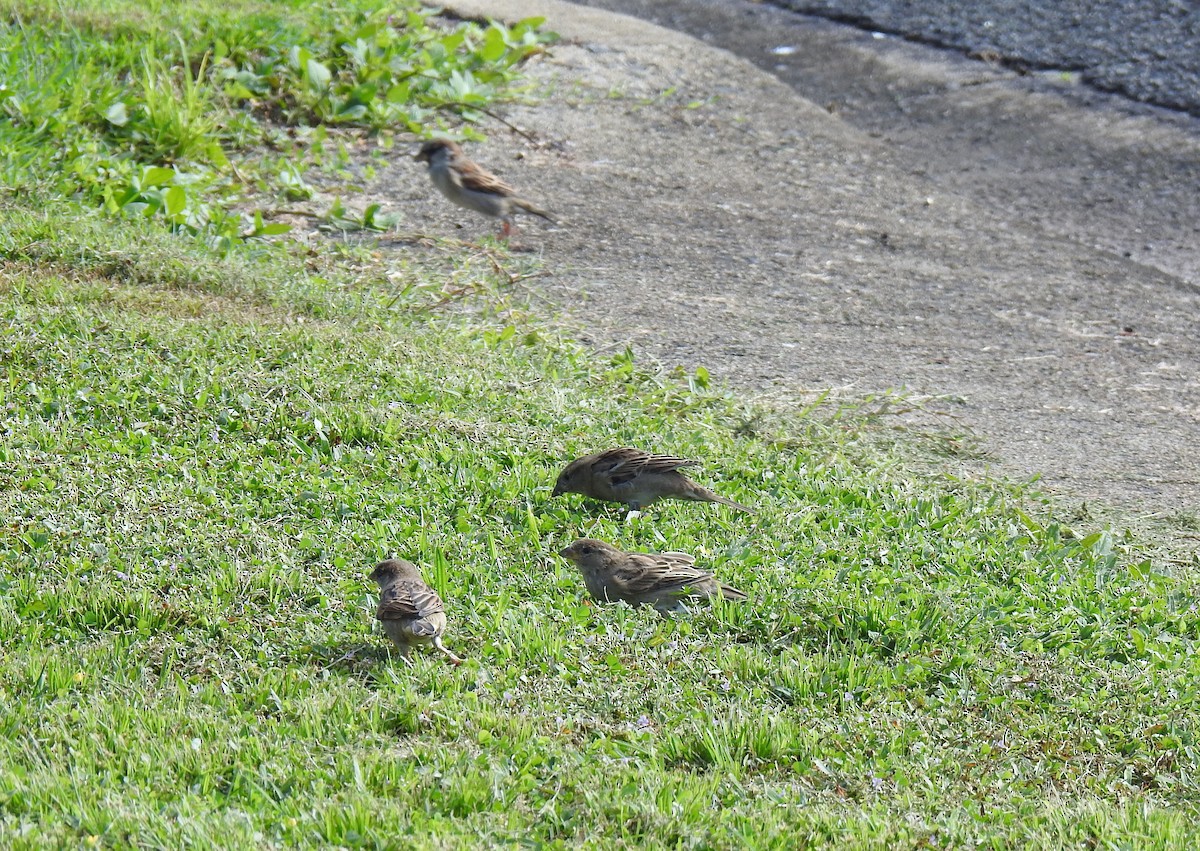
[[470, 186], [635, 478], [410, 610], [663, 580]]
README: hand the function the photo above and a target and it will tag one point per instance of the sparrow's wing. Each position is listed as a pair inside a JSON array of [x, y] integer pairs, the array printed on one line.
[[470, 176], [406, 600], [666, 463], [621, 466], [650, 573]]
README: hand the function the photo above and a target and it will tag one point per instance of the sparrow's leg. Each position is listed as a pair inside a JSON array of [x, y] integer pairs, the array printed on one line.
[[454, 660], [506, 228]]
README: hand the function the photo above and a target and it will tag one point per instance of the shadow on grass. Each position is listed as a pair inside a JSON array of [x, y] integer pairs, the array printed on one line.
[[357, 659]]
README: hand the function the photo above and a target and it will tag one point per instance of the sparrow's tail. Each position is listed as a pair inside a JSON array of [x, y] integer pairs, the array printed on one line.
[[522, 204], [701, 494], [733, 594]]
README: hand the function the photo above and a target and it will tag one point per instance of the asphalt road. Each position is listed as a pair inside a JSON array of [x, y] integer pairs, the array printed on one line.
[[1147, 50]]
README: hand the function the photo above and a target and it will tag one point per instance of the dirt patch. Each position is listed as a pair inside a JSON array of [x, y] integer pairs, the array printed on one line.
[[714, 216]]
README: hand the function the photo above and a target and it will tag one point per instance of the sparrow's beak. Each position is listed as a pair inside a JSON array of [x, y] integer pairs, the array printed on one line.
[[558, 491], [566, 552]]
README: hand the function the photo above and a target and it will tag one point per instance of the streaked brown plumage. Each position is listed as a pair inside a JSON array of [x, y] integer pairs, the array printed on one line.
[[635, 478], [411, 611], [661, 580], [469, 185]]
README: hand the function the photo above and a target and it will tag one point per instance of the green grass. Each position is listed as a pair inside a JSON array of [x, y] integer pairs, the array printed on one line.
[[203, 454], [202, 459]]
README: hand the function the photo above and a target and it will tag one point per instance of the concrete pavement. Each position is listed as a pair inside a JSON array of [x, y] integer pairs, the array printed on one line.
[[724, 215]]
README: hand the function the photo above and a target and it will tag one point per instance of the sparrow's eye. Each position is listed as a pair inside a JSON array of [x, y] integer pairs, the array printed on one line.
[[587, 549]]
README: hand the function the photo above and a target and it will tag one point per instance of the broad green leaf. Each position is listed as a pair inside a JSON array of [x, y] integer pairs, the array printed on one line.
[[452, 41], [156, 176], [216, 155], [351, 111], [318, 75], [493, 44], [117, 114], [298, 57], [357, 52], [175, 200]]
